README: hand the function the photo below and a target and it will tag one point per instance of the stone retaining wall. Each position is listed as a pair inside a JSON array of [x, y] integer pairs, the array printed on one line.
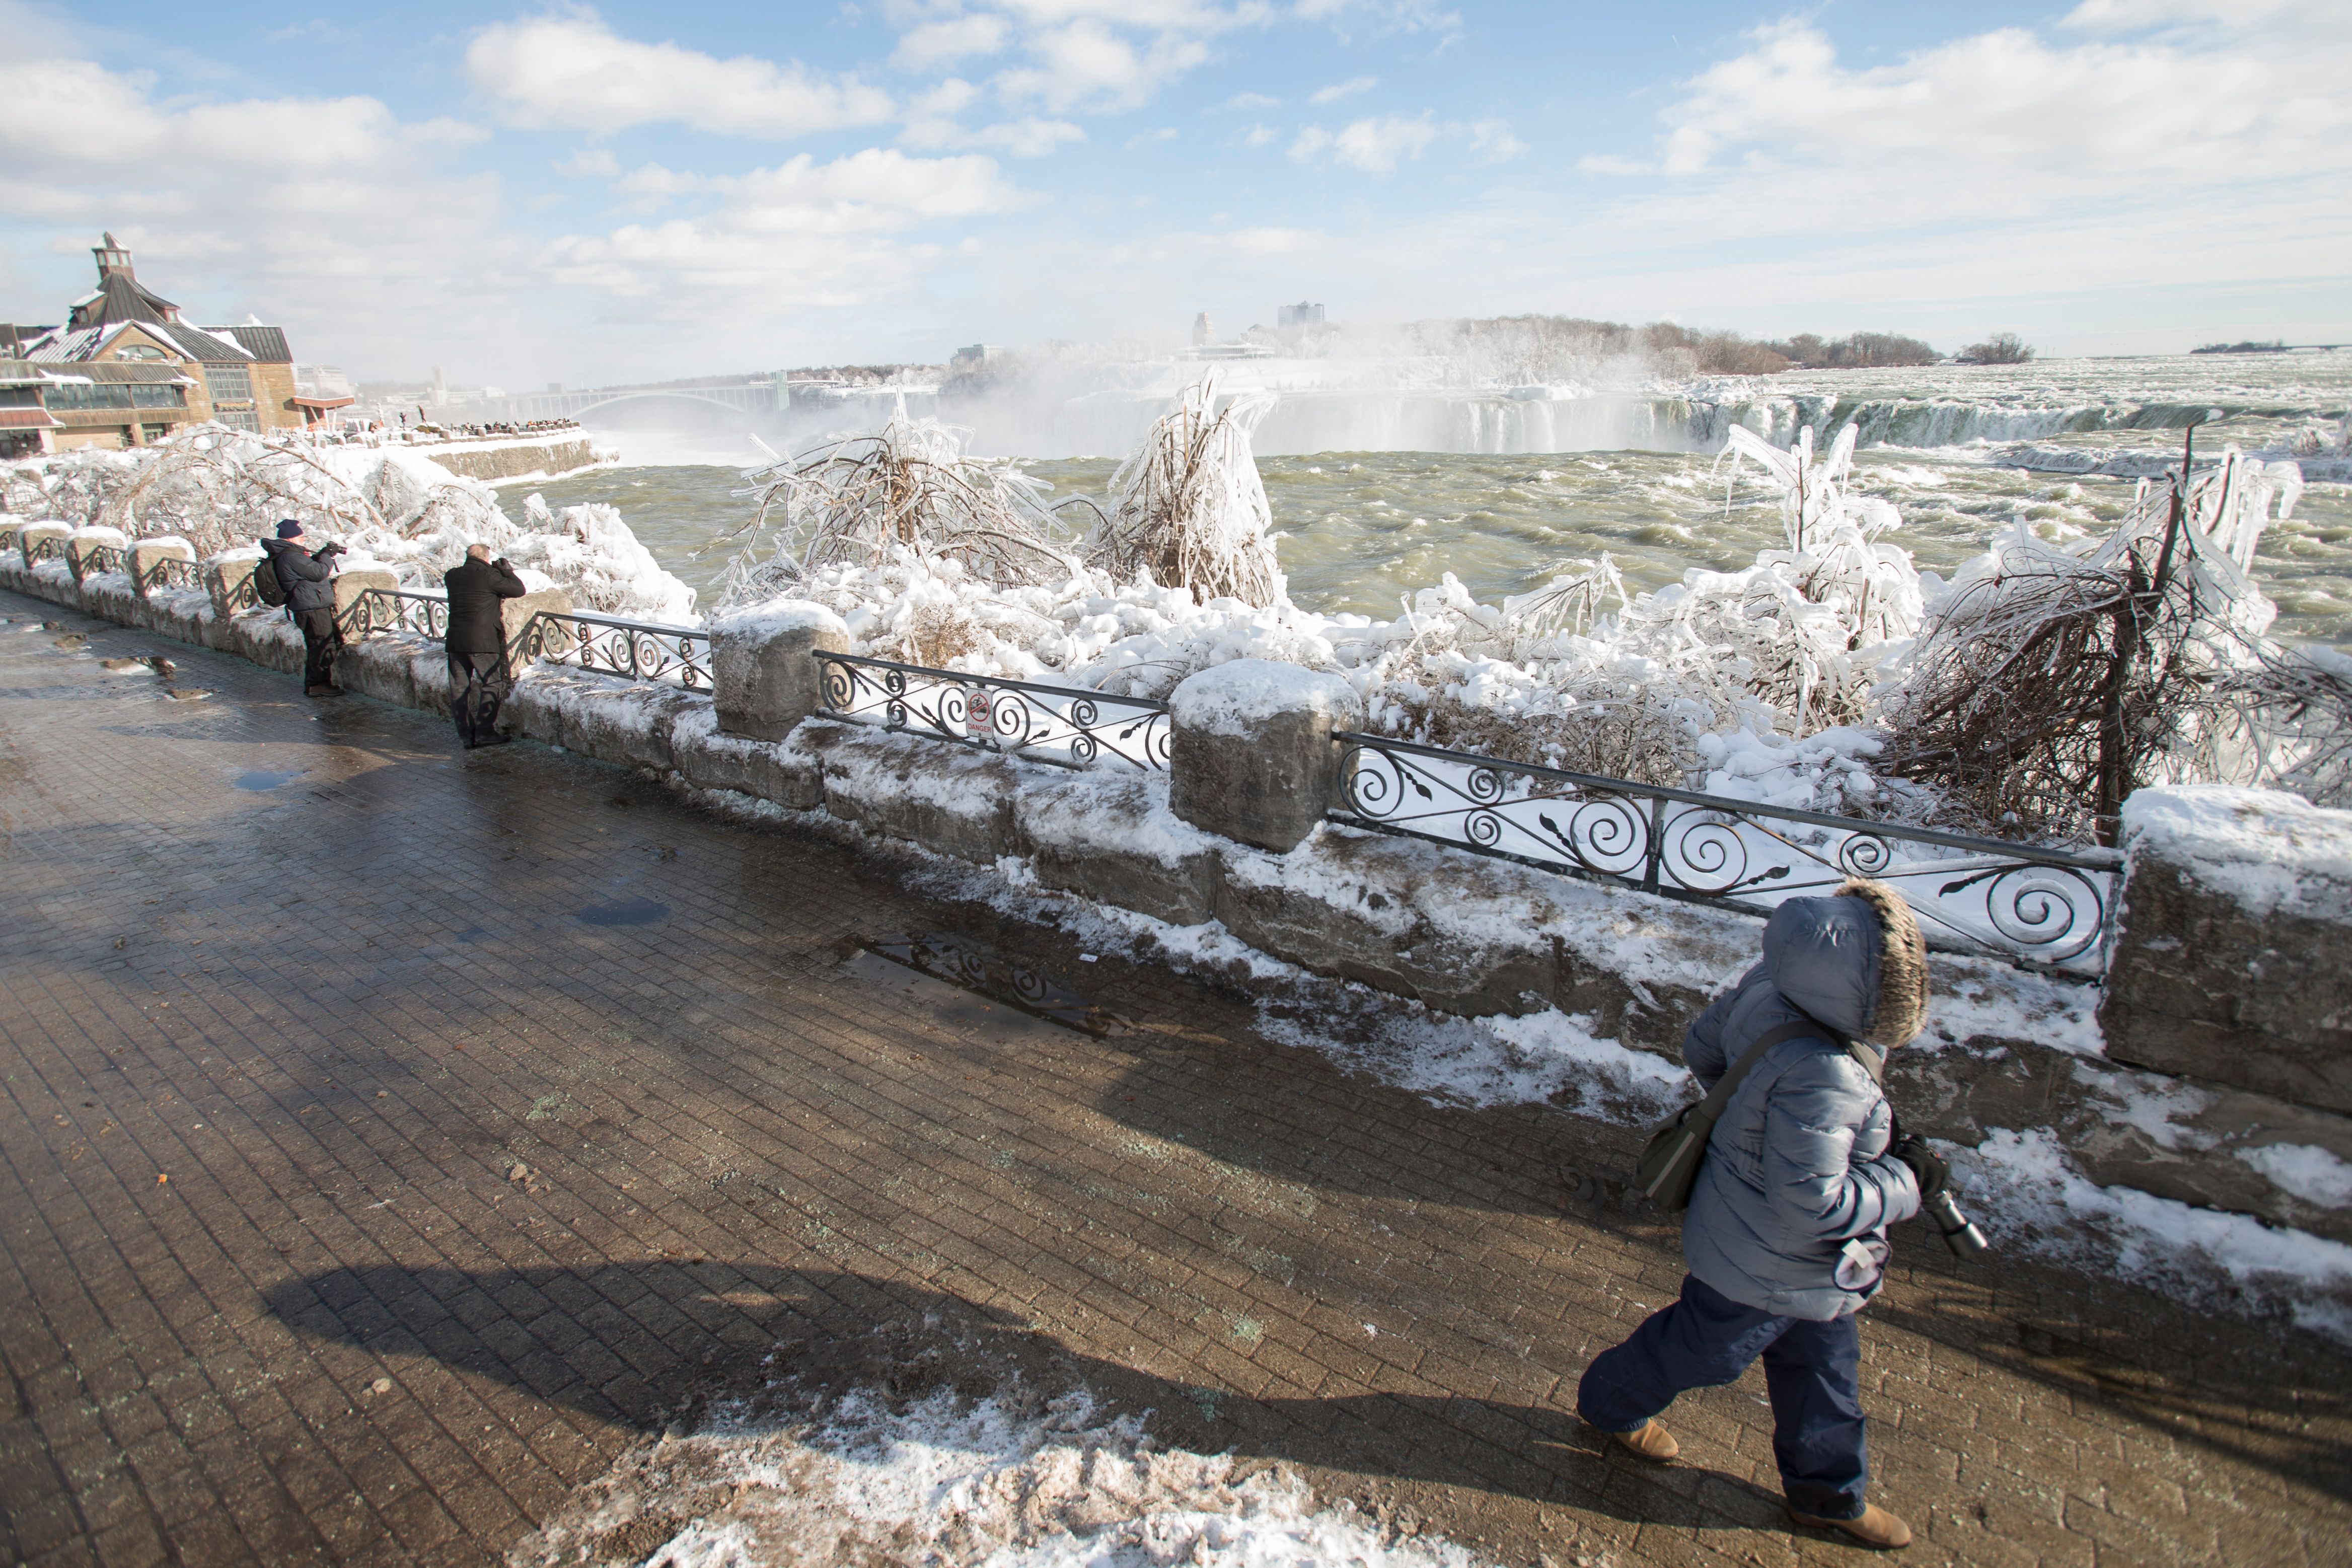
[[551, 457], [1466, 934]]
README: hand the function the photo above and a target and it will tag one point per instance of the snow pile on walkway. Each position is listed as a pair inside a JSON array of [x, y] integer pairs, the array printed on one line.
[[393, 507], [943, 1479]]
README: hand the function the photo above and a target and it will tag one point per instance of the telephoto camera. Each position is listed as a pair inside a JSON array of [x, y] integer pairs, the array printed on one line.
[[1960, 1233]]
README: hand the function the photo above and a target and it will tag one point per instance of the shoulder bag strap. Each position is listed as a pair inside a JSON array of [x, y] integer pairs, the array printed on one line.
[[1711, 1108]]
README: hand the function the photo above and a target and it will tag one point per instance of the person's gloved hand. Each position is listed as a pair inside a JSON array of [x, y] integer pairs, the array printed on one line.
[[1926, 1166]]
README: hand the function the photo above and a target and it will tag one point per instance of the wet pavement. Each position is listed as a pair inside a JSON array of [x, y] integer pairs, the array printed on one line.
[[393, 1136]]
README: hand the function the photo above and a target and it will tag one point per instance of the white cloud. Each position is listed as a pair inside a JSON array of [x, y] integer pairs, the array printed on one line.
[[1375, 145], [1491, 141], [936, 44], [1085, 62], [1339, 91], [1148, 138], [331, 217], [1995, 108], [1250, 100], [1257, 136], [573, 72], [590, 163], [802, 234], [932, 126]]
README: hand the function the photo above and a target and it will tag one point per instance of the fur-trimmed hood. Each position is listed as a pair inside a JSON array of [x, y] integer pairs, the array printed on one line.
[[1902, 1004], [1854, 961]]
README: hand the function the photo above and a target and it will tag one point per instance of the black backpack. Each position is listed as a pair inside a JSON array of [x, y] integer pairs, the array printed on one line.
[[266, 587]]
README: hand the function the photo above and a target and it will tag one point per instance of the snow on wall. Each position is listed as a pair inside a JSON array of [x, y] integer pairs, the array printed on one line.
[[1231, 697], [2269, 850]]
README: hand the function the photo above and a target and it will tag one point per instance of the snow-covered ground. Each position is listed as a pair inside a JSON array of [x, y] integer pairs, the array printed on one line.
[[944, 1479]]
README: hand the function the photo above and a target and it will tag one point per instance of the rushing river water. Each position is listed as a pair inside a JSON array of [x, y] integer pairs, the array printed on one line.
[[1356, 530]]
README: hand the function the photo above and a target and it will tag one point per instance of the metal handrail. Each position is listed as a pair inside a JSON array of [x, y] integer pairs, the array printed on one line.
[[48, 547], [396, 610], [102, 559], [1067, 725], [641, 650], [2041, 906], [168, 571]]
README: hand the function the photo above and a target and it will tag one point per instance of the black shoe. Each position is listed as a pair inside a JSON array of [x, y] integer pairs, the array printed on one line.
[[494, 740], [322, 691]]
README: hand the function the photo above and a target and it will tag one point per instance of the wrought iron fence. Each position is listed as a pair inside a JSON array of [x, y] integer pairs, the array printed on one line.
[[48, 547], [168, 571], [1067, 725], [641, 650], [100, 559], [2044, 908], [242, 594], [396, 610]]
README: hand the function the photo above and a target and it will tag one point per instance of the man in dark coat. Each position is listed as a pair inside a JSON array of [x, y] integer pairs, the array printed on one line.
[[308, 578], [477, 644]]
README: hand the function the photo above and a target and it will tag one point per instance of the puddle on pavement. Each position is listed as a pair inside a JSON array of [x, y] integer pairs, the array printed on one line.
[[1005, 990], [261, 781], [625, 912]]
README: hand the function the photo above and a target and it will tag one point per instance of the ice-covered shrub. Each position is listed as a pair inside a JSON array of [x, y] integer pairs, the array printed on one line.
[[1188, 507], [862, 501]]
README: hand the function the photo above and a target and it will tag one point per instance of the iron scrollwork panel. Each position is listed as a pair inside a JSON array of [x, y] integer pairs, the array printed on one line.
[[2042, 910], [1063, 724]]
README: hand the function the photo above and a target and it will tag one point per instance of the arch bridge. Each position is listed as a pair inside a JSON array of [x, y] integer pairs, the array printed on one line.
[[738, 397]]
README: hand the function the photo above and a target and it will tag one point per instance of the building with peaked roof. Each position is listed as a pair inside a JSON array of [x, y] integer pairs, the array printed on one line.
[[241, 376]]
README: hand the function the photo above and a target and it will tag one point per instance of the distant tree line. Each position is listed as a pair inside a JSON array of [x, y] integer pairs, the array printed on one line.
[[2276, 346], [1553, 347]]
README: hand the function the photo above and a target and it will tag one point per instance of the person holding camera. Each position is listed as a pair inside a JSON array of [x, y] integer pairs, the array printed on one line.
[[1785, 1237], [306, 580], [477, 644]]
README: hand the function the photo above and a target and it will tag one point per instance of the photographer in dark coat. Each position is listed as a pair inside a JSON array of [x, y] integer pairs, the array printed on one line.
[[308, 578], [476, 645]]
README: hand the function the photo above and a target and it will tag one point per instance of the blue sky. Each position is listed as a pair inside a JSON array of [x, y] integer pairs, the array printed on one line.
[[582, 193]]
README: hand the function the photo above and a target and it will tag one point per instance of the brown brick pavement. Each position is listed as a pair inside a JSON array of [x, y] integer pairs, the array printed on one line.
[[336, 1014]]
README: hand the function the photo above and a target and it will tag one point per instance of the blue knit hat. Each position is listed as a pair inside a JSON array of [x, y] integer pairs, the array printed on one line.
[[287, 529]]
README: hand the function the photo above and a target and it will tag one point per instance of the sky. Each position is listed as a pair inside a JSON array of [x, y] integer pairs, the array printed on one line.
[[598, 194]]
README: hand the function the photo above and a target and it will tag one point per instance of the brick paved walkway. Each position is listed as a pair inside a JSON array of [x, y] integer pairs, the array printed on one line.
[[290, 990]]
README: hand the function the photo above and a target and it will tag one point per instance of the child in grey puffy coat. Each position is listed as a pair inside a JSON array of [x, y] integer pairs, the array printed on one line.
[[1786, 1233]]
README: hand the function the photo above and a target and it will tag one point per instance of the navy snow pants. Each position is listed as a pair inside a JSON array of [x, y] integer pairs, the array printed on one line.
[[1810, 1369]]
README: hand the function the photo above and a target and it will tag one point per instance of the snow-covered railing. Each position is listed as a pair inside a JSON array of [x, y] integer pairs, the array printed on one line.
[[2042, 906], [49, 546], [170, 571], [397, 610], [1067, 725], [241, 594], [641, 650], [99, 559]]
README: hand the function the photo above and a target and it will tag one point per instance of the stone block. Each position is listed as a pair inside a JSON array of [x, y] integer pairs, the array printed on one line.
[[379, 667], [268, 638], [225, 577], [428, 677], [764, 675], [1467, 935], [82, 546], [351, 585], [625, 722], [554, 640], [781, 771], [1108, 835], [2232, 956], [146, 554], [32, 535], [1251, 755], [934, 792], [109, 597]]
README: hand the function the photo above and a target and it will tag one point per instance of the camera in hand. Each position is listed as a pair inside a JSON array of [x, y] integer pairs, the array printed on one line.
[[1959, 1232]]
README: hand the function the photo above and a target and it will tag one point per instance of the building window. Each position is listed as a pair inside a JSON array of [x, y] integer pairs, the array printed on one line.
[[237, 419], [228, 383], [150, 395], [152, 433]]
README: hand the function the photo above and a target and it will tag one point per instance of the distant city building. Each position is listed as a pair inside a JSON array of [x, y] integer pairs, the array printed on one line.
[[1299, 315], [973, 356], [140, 372], [1202, 333]]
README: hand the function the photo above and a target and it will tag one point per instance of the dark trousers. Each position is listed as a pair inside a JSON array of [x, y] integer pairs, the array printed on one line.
[[322, 640], [477, 688], [1810, 1369]]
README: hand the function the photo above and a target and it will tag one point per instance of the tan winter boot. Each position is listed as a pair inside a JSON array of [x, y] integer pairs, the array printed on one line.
[[1876, 1528], [1650, 1441]]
